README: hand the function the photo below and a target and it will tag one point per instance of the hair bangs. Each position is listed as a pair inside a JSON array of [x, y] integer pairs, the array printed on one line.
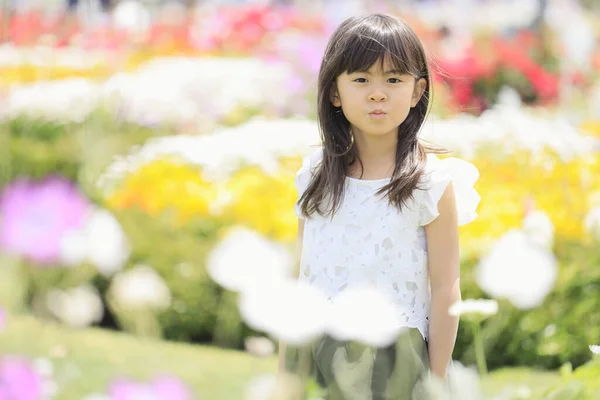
[[382, 46]]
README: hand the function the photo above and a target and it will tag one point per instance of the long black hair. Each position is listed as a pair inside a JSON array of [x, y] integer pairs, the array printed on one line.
[[356, 45]]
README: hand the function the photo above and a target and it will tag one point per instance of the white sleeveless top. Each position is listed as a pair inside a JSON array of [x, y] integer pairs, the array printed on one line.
[[370, 243]]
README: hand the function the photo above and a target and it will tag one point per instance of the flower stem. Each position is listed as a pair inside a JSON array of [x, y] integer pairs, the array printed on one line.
[[480, 350]]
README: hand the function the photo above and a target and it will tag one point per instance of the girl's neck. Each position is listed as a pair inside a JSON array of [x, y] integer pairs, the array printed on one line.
[[378, 156]]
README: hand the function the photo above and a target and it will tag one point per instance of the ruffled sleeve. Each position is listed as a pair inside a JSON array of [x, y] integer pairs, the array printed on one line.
[[304, 175], [439, 173]]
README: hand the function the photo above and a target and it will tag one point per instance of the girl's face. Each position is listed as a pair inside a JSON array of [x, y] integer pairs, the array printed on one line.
[[378, 100]]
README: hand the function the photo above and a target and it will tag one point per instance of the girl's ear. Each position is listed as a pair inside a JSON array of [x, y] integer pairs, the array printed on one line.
[[418, 92], [335, 97]]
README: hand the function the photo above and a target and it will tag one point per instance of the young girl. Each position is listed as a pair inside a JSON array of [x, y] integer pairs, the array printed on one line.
[[378, 208]]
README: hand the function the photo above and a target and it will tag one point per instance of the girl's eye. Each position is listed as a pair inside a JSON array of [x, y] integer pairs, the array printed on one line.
[[394, 80], [360, 80]]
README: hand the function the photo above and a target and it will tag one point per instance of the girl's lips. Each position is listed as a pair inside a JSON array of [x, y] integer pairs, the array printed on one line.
[[377, 114]]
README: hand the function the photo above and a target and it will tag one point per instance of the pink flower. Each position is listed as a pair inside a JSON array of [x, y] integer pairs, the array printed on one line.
[[2, 319], [35, 215], [161, 388], [19, 380]]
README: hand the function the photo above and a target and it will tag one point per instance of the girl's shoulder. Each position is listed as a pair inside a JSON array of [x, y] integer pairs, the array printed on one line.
[[439, 173]]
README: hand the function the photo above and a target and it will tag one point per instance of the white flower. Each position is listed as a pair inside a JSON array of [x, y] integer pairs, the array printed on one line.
[[538, 226], [472, 306], [101, 241], [288, 310], [78, 307], [595, 349], [244, 259], [363, 315], [261, 388], [132, 16], [108, 247], [140, 288], [518, 270], [592, 222], [509, 129], [64, 100], [259, 142], [463, 383], [45, 369], [259, 346]]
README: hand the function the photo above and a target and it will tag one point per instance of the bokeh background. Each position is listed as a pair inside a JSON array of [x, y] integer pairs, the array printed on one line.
[[147, 157]]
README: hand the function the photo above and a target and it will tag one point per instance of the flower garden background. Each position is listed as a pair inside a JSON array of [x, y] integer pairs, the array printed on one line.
[[147, 161]]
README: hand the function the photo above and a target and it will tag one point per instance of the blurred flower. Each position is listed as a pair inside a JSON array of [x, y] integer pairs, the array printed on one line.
[[511, 129], [592, 222], [2, 319], [595, 349], [259, 346], [351, 317], [258, 142], [78, 307], [36, 215], [152, 188], [108, 248], [261, 387], [539, 228], [197, 91], [474, 306], [264, 202], [140, 288], [132, 16], [20, 380], [160, 388], [288, 310], [518, 270], [100, 241], [244, 260], [61, 101], [463, 383]]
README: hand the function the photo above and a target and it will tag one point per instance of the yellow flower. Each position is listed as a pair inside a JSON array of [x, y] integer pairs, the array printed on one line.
[[166, 185], [509, 186], [264, 202]]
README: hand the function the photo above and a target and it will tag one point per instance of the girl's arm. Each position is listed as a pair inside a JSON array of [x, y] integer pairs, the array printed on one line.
[[295, 274], [444, 275]]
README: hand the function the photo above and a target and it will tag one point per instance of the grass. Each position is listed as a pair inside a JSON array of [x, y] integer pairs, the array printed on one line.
[[87, 360]]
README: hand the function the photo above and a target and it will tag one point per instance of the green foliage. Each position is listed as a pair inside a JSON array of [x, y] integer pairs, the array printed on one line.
[[558, 331]]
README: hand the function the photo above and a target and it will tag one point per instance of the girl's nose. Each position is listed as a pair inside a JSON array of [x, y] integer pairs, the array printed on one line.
[[378, 96]]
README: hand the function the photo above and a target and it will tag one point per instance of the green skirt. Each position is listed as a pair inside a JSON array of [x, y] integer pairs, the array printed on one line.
[[353, 371]]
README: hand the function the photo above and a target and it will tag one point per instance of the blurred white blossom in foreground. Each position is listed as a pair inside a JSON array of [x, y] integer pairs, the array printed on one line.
[[244, 260], [539, 229], [101, 242], [140, 288], [463, 383], [363, 315], [293, 312], [261, 387], [517, 269], [78, 307], [595, 349], [259, 346], [474, 306]]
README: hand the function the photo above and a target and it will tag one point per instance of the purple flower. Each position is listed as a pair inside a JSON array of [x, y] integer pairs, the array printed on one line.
[[35, 215], [19, 380], [161, 388]]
